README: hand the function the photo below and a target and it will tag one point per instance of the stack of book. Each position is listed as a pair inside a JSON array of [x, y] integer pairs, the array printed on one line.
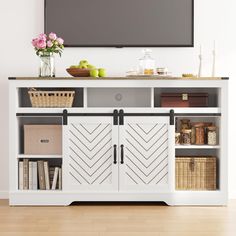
[[35, 175]]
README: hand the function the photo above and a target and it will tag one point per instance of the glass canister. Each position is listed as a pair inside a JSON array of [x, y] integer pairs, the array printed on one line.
[[186, 136], [147, 64], [177, 138], [211, 135], [185, 124], [193, 135], [199, 134]]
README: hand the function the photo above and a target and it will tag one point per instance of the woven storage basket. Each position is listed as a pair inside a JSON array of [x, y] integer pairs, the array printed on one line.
[[51, 98], [195, 173]]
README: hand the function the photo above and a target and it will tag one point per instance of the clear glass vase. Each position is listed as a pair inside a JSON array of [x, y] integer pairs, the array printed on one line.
[[47, 65]]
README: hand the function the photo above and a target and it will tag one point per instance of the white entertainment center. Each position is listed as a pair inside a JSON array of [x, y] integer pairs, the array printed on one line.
[[118, 143]]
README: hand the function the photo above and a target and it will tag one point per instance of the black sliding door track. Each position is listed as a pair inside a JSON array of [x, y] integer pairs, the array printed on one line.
[[115, 114]]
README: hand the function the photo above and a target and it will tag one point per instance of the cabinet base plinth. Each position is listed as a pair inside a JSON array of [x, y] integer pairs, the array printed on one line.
[[203, 198]]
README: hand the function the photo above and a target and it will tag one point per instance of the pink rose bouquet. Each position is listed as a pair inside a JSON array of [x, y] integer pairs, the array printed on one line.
[[45, 44]]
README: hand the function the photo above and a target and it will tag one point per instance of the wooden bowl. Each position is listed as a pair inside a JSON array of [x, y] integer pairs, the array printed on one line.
[[76, 72]]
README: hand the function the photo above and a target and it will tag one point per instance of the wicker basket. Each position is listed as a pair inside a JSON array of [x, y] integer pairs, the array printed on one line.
[[195, 173], [51, 98]]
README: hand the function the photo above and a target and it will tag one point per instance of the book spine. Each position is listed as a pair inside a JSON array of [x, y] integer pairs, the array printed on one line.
[[26, 174], [30, 175], [55, 177], [35, 176], [51, 174], [21, 178], [60, 179], [41, 176], [46, 173]]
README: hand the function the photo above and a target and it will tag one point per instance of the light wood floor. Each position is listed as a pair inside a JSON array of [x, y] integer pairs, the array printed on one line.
[[115, 220]]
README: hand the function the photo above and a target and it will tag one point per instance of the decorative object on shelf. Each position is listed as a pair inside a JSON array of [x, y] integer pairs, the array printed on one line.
[[33, 172], [184, 99], [43, 139], [162, 71], [147, 63], [200, 62], [189, 76], [185, 124], [76, 72], [46, 46], [195, 173], [186, 137], [177, 138], [132, 72], [193, 135], [211, 135], [199, 134], [214, 60], [84, 69], [51, 98]]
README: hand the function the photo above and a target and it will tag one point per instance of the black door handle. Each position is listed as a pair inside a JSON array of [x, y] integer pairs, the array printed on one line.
[[115, 154], [121, 154]]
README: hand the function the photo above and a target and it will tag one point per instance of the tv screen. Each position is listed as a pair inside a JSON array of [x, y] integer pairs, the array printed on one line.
[[121, 23]]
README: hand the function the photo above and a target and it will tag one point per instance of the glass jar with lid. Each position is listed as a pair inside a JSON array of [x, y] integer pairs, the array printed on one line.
[[177, 138], [186, 136], [199, 133], [211, 135], [185, 124], [147, 64]]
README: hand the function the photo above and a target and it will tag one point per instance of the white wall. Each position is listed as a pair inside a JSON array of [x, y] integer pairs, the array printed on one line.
[[22, 20]]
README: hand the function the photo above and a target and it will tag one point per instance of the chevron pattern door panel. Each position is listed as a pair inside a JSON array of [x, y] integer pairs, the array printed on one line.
[[145, 154], [90, 146]]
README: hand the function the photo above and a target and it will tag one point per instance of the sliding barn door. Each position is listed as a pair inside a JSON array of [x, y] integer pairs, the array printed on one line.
[[145, 154], [91, 144]]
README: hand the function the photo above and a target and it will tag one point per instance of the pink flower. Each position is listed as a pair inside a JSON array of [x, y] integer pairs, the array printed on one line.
[[34, 42], [41, 44], [52, 36], [49, 43], [43, 37], [60, 41]]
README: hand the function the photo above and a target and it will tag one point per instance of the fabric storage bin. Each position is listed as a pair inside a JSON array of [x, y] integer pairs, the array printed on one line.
[[195, 173], [184, 100], [43, 139]]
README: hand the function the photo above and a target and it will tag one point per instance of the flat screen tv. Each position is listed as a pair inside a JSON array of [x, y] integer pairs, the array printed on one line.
[[121, 23]]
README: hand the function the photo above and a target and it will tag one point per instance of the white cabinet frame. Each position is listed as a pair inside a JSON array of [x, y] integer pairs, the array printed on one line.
[[117, 192]]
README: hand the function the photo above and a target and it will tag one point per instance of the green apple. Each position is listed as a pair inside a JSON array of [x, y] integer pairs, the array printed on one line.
[[89, 66], [102, 72], [73, 66], [83, 62], [82, 66], [94, 72]]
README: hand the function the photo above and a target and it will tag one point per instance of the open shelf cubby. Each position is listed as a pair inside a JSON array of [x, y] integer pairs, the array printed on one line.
[[213, 94], [24, 99], [33, 121]]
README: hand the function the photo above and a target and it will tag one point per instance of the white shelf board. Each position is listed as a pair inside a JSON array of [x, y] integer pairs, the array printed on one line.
[[39, 156], [200, 110], [45, 110], [38, 191], [198, 191], [196, 147]]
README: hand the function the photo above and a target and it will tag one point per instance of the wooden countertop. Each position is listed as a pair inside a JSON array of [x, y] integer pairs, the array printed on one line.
[[119, 78]]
